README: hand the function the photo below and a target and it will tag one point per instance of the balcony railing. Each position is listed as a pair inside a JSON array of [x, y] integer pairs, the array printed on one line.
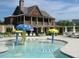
[[28, 22], [45, 23], [40, 23], [34, 23]]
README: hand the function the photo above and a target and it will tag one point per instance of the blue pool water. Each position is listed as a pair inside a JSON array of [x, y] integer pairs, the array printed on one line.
[[35, 50]]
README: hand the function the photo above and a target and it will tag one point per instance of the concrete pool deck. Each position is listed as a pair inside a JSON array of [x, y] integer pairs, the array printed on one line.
[[3, 49], [71, 48]]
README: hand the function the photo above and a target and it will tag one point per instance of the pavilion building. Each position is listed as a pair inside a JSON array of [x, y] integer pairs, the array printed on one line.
[[40, 20]]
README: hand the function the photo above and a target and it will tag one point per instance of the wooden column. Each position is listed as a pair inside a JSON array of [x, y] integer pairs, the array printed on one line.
[[37, 23], [20, 19], [31, 25], [53, 22], [11, 21], [24, 19], [43, 21], [43, 25], [37, 20], [31, 21], [48, 23], [17, 19]]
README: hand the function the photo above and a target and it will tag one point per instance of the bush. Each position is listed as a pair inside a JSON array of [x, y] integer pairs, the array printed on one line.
[[9, 30]]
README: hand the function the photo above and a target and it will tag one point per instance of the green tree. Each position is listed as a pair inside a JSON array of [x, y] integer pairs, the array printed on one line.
[[64, 23]]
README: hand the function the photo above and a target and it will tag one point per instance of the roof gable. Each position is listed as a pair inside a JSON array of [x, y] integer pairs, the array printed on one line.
[[34, 11], [17, 11]]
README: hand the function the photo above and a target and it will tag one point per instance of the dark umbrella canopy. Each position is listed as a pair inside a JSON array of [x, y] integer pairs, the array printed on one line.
[[25, 27]]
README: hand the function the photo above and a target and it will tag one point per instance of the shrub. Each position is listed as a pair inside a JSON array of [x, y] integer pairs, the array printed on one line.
[[9, 30]]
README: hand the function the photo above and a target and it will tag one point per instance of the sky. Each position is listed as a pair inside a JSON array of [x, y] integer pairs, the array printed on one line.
[[59, 9]]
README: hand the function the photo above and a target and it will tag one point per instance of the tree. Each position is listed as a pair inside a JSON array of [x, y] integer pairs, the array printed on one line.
[[64, 23]]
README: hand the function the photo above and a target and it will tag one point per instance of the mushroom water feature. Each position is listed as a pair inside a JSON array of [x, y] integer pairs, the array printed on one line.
[[17, 35], [22, 28], [53, 31]]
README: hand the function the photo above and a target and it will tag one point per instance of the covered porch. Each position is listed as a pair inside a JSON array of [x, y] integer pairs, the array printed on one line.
[[40, 24]]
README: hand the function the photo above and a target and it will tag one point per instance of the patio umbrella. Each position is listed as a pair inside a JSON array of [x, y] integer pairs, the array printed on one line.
[[25, 27]]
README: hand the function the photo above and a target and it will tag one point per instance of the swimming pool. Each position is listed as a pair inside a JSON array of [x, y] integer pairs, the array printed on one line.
[[35, 49]]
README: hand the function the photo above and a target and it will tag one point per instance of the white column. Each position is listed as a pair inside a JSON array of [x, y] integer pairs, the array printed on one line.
[[3, 29], [65, 29], [74, 30], [13, 28], [42, 29]]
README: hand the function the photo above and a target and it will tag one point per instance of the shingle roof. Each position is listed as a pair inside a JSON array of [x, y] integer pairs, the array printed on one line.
[[27, 10], [45, 13]]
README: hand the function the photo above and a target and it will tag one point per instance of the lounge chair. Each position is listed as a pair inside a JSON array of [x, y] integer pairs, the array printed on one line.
[[75, 35], [68, 34]]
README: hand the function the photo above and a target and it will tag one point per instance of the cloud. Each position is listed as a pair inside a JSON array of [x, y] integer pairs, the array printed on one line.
[[60, 9]]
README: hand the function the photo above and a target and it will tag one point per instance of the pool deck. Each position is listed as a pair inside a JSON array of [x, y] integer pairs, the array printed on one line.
[[71, 48], [3, 49]]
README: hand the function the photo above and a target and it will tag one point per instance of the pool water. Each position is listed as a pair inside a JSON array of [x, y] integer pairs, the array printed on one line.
[[35, 50]]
